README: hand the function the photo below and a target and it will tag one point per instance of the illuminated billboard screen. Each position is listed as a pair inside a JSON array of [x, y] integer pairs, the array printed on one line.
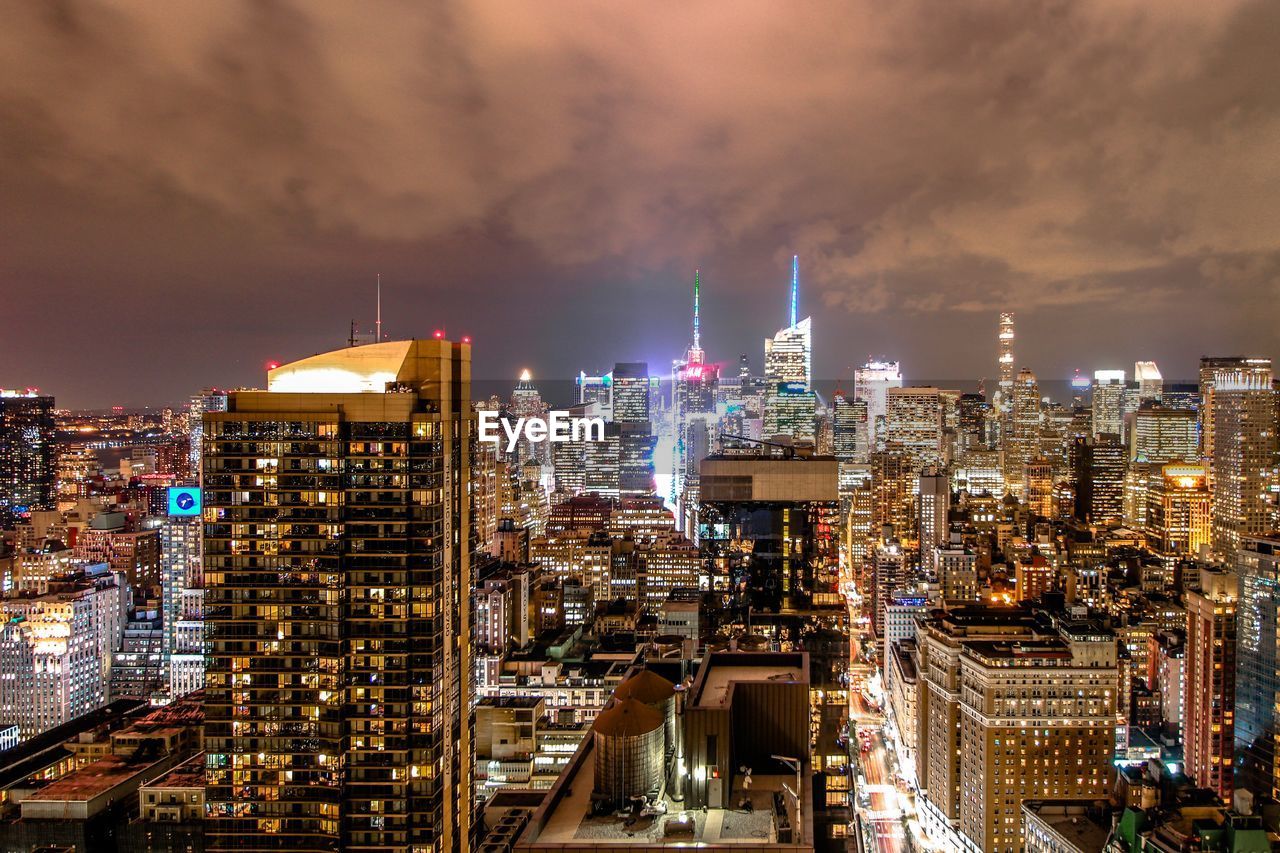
[[184, 500]]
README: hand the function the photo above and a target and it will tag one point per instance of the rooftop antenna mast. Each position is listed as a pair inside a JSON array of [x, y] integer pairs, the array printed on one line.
[[351, 338], [697, 344], [377, 337]]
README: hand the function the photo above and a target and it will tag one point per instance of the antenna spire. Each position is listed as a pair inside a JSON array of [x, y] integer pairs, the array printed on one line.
[[795, 287], [697, 326], [377, 337]]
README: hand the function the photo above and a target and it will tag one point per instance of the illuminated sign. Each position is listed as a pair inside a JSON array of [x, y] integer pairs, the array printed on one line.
[[184, 501]]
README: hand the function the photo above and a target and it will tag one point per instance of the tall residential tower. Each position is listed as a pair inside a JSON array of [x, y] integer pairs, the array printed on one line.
[[338, 567]]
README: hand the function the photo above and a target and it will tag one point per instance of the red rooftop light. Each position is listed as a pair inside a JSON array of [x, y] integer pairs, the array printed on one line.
[[439, 333]]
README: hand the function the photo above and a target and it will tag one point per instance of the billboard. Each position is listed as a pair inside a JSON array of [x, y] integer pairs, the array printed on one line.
[[184, 500]]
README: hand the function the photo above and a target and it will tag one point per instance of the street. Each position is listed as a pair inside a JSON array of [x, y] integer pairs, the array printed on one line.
[[877, 798]]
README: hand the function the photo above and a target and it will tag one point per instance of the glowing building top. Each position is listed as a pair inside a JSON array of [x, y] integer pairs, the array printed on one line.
[[788, 355], [370, 368]]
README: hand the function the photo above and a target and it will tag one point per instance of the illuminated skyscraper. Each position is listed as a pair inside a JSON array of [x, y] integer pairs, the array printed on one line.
[[1240, 432], [1158, 434], [595, 389], [1231, 371], [1179, 513], [1258, 680], [1037, 486], [631, 392], [338, 568], [694, 386], [850, 429], [182, 600], [1209, 685], [790, 404], [971, 421], [636, 441], [935, 504], [208, 400], [28, 460], [871, 384], [1108, 402], [1022, 438], [1004, 396], [788, 355], [1101, 465], [913, 424]]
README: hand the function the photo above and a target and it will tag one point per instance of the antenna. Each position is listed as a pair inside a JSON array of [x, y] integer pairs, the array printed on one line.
[[795, 287], [377, 337], [351, 338], [696, 323]]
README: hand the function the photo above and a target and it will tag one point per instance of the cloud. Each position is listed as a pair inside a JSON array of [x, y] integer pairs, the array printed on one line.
[[923, 158]]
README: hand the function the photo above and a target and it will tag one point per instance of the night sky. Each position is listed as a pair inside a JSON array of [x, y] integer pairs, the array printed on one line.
[[190, 190]]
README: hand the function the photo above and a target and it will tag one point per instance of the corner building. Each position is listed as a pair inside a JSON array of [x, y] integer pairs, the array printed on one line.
[[338, 564], [1014, 705]]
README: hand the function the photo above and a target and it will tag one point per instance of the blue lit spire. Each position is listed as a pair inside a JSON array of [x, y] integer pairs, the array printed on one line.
[[795, 287]]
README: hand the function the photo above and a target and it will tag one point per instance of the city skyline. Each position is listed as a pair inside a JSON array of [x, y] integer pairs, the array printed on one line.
[[219, 190]]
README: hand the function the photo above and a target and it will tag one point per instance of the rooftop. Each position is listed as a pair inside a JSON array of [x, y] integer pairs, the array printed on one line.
[[92, 780], [569, 821], [1081, 823], [188, 774], [721, 670]]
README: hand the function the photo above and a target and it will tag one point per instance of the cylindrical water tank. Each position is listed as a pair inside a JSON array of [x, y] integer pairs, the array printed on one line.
[[629, 742], [653, 690]]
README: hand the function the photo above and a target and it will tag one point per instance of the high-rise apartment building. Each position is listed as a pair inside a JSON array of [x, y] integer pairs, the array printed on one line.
[[1240, 425], [1037, 486], [956, 568], [934, 495], [1011, 706], [208, 400], [1258, 676], [56, 649], [28, 461], [1236, 372], [1209, 682], [913, 424], [338, 569], [182, 602]]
